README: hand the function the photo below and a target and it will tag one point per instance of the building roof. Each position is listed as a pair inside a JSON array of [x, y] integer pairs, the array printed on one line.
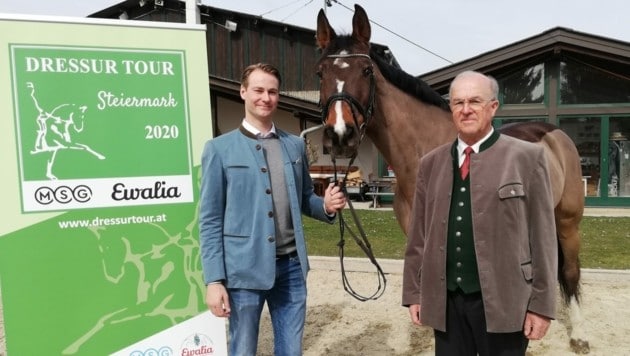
[[555, 42]]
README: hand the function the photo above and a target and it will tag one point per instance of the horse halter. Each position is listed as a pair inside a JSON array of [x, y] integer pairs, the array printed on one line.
[[366, 112], [359, 237]]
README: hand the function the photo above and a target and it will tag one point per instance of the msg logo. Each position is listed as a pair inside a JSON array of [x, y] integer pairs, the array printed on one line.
[[163, 351], [63, 194]]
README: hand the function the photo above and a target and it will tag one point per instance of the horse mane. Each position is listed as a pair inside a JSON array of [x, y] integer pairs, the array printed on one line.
[[406, 82]]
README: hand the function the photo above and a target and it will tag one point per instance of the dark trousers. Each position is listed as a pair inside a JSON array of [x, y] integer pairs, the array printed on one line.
[[466, 332]]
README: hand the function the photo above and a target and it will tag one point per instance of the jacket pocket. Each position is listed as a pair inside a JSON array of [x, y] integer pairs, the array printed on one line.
[[526, 268], [511, 190]]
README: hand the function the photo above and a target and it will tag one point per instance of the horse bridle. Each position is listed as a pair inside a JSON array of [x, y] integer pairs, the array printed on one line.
[[362, 242], [355, 105]]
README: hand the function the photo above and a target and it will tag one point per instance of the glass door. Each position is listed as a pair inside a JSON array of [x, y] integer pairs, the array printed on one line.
[[585, 133]]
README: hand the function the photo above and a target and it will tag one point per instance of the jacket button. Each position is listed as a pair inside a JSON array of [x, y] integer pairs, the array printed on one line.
[[268, 191], [258, 147], [263, 169], [271, 239], [270, 214]]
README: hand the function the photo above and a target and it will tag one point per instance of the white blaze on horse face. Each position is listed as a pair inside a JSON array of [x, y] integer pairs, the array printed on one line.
[[339, 62], [340, 123]]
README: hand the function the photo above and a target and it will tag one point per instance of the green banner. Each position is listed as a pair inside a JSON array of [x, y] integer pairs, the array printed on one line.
[[103, 137]]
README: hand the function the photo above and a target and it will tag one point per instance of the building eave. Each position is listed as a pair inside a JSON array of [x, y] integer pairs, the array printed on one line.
[[552, 42]]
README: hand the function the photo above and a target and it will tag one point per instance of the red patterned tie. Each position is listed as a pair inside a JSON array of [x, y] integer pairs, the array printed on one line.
[[465, 168]]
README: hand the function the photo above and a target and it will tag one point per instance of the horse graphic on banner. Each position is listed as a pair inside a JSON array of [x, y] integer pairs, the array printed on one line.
[[55, 129]]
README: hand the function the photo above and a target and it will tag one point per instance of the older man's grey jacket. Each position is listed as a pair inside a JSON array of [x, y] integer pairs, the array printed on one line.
[[514, 234]]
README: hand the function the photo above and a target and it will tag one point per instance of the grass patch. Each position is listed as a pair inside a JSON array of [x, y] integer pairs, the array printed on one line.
[[605, 240]]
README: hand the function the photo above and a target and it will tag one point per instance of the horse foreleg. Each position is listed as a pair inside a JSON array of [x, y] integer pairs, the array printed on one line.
[[49, 166], [569, 278], [87, 148], [402, 210]]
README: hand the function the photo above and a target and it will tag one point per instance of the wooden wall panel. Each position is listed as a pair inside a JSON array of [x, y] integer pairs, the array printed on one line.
[[292, 49]]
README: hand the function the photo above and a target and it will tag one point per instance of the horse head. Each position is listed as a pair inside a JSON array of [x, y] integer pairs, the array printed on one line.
[[347, 83]]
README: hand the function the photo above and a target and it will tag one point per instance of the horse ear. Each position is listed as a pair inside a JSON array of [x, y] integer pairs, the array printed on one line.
[[325, 33], [361, 30]]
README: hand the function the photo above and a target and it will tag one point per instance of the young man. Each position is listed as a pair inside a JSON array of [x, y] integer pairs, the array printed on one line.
[[481, 259], [255, 185]]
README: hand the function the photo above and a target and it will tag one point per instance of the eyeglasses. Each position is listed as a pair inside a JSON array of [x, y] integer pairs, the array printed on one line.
[[475, 104]]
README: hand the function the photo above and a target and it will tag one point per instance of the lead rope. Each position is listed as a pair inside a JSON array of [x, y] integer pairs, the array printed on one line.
[[363, 243]]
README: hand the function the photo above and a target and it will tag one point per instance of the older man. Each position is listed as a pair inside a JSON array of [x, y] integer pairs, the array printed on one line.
[[481, 259]]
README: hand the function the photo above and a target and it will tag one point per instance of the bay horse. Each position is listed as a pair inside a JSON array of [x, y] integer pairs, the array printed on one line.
[[361, 94]]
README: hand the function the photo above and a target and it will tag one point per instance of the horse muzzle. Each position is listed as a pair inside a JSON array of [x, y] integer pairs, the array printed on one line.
[[344, 145]]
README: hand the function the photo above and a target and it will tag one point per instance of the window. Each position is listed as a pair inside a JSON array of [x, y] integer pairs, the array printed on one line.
[[619, 157], [526, 86], [584, 83], [585, 132]]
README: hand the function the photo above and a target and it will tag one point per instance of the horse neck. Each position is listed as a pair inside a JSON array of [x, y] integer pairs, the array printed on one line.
[[404, 129]]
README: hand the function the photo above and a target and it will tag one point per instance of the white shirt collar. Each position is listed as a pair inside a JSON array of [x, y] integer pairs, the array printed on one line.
[[461, 145], [249, 127]]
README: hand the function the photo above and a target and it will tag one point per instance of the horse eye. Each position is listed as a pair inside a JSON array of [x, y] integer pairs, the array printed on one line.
[[319, 74], [367, 71]]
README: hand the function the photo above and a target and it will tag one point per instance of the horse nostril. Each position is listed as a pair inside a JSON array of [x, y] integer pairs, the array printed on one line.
[[329, 132], [327, 137]]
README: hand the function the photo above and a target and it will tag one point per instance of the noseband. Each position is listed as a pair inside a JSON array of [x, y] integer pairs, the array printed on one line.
[[366, 112]]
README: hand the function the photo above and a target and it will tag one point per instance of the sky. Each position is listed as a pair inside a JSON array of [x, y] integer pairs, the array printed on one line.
[[423, 35]]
